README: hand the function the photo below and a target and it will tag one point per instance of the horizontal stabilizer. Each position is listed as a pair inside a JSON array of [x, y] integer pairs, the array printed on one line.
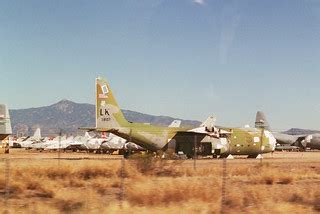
[[37, 134]]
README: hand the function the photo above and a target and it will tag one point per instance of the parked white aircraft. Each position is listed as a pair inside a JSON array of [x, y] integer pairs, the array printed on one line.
[[62, 143], [44, 144], [27, 142]]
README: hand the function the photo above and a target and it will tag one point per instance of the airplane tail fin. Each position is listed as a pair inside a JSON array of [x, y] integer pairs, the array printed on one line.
[[209, 123], [175, 124], [5, 124], [37, 134], [108, 113], [87, 135], [303, 140], [261, 121]]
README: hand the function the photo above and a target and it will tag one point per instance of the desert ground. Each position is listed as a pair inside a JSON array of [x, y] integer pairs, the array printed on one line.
[[48, 182]]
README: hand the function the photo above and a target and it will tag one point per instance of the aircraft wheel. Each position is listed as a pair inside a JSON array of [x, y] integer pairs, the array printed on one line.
[[252, 156], [126, 154], [223, 156]]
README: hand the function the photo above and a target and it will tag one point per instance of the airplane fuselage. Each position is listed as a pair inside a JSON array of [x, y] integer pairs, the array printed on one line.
[[284, 139], [314, 142], [250, 142]]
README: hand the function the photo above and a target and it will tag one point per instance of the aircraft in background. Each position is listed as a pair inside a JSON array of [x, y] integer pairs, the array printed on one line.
[[45, 143], [204, 140], [314, 142], [175, 124], [27, 142], [286, 141], [60, 143]]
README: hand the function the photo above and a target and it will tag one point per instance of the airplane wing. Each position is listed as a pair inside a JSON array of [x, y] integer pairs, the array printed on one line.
[[89, 129], [206, 128]]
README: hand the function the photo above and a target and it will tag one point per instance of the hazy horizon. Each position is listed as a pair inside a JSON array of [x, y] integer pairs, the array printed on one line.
[[250, 123]]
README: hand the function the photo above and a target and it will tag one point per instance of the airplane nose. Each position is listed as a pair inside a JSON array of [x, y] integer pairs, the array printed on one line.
[[308, 138], [273, 143], [272, 140]]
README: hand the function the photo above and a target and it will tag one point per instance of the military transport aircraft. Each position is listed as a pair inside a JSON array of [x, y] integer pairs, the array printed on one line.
[[204, 140], [314, 142], [286, 141]]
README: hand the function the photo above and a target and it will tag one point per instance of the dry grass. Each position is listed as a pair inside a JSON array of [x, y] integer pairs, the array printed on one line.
[[152, 185], [69, 201], [153, 192]]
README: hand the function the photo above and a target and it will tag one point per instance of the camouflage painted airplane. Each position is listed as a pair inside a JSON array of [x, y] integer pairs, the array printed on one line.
[[109, 118], [247, 141], [5, 125]]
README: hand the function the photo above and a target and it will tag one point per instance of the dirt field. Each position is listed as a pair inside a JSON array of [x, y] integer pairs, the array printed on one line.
[[38, 182]]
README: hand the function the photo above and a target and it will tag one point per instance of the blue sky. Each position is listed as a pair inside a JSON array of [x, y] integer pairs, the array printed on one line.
[[182, 58]]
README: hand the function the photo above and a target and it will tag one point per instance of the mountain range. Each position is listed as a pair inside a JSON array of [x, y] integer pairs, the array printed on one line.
[[67, 116], [297, 131]]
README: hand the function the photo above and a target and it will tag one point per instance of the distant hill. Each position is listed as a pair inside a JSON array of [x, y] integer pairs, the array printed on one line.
[[68, 116], [297, 131]]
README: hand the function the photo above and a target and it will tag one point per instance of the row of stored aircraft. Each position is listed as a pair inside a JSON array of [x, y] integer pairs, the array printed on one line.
[[106, 143], [96, 144], [207, 139]]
